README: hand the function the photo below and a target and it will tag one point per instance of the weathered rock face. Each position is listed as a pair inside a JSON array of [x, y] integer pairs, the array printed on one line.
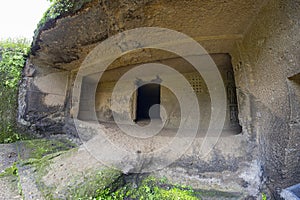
[[42, 99], [262, 38], [215, 24], [267, 69]]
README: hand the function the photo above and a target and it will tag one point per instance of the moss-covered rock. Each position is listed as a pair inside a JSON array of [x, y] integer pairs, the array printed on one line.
[[150, 188], [38, 148], [153, 188], [60, 171], [95, 183], [54, 169], [86, 185]]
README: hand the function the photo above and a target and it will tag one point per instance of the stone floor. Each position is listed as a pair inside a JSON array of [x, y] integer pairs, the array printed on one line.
[[67, 169], [8, 155], [8, 185]]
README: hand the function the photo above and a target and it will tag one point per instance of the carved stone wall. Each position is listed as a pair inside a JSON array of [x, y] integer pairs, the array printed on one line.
[[264, 62], [169, 101], [262, 37]]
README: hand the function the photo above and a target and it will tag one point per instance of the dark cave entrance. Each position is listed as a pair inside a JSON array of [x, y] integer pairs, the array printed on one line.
[[147, 96]]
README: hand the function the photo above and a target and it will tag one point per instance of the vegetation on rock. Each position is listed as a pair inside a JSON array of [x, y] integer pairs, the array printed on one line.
[[153, 188], [38, 148], [60, 8], [40, 155], [13, 54], [10, 171], [150, 188], [35, 154]]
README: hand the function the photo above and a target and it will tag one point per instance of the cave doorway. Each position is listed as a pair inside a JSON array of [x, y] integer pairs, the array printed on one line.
[[147, 96]]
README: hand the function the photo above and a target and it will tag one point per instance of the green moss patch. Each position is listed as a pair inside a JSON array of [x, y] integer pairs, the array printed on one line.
[[39, 155], [38, 148], [11, 171], [95, 183], [150, 188], [11, 175], [81, 186]]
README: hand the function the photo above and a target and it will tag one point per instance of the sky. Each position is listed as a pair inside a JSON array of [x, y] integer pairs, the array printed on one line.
[[19, 18]]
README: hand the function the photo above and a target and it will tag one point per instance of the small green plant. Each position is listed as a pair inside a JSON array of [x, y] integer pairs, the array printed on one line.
[[11, 171], [263, 196], [13, 137]]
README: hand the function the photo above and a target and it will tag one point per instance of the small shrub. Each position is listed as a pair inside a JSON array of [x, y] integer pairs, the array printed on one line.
[[13, 54]]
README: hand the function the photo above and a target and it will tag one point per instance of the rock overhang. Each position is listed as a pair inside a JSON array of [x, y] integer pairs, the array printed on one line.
[[64, 42]]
